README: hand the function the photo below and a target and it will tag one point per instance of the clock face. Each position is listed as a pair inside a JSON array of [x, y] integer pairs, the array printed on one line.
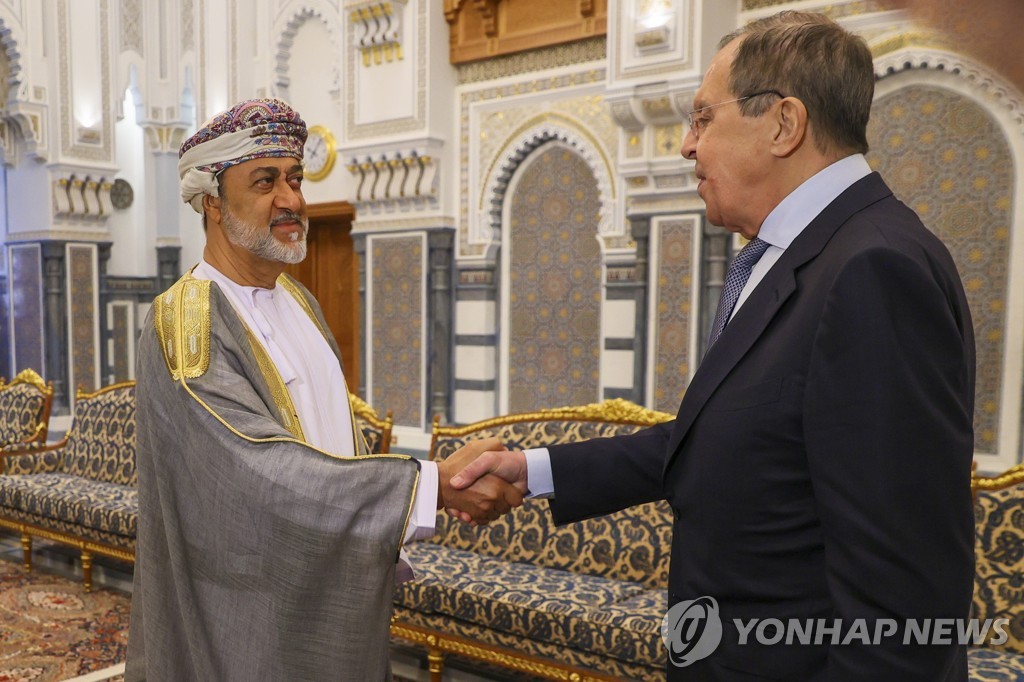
[[319, 153]]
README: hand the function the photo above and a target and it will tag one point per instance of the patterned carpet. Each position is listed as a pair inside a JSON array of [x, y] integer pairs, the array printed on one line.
[[51, 629]]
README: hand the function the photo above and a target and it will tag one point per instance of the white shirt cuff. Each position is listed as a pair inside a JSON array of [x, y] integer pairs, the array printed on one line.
[[538, 473], [424, 505]]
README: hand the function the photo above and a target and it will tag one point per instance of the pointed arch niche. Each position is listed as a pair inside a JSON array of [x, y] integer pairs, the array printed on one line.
[[553, 277], [948, 137]]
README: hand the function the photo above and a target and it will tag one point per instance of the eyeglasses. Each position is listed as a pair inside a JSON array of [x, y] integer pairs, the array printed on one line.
[[698, 123]]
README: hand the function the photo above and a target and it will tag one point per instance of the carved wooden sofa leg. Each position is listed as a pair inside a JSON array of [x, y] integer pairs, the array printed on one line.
[[87, 569], [26, 549], [435, 664]]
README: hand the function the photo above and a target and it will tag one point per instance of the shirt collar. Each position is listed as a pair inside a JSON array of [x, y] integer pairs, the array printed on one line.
[[796, 211]]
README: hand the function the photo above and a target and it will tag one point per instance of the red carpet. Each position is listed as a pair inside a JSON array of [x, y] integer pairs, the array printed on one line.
[[51, 629]]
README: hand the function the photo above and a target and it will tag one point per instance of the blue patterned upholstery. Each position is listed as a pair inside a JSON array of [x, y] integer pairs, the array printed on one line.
[[562, 607], [632, 544], [589, 594], [22, 409], [999, 580], [102, 506], [101, 443], [84, 488], [986, 664]]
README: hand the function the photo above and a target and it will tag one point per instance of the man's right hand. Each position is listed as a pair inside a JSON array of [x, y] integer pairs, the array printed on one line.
[[483, 502], [510, 466]]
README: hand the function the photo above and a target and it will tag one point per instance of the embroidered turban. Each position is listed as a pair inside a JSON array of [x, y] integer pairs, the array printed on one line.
[[252, 129]]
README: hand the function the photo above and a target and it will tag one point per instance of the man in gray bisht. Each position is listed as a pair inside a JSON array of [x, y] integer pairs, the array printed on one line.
[[269, 539]]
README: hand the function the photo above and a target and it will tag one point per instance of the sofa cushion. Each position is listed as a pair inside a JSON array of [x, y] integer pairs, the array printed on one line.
[[106, 507], [999, 560], [994, 665], [101, 443], [559, 607]]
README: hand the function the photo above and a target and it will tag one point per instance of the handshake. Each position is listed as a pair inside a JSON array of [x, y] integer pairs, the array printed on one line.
[[481, 481]]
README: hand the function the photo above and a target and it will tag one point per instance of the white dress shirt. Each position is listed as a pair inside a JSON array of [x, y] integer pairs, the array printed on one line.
[[779, 229], [310, 370]]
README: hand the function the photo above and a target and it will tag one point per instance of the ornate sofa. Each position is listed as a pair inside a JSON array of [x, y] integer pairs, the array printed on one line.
[[580, 602], [586, 601], [25, 405], [999, 572], [80, 491]]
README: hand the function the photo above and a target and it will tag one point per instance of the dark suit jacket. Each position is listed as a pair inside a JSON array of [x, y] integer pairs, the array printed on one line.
[[819, 466]]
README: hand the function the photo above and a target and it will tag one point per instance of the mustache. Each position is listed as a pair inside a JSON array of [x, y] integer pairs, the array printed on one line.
[[288, 217]]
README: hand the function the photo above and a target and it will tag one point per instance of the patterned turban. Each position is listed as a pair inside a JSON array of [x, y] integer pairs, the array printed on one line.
[[252, 129]]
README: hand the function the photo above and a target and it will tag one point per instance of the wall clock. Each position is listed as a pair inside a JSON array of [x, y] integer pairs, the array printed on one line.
[[319, 153]]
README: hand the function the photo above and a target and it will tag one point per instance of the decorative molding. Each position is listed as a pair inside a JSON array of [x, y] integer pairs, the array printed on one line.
[[426, 223], [381, 24], [925, 57], [82, 197], [164, 139], [556, 56], [307, 10], [396, 180]]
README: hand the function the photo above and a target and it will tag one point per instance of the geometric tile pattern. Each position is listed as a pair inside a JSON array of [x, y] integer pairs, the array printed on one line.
[[555, 281], [946, 158], [82, 322], [673, 313], [26, 305], [397, 320]]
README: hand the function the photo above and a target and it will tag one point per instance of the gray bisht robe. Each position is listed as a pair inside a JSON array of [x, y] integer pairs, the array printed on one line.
[[259, 557]]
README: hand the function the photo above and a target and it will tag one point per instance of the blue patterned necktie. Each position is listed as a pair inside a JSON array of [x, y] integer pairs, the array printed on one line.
[[739, 273]]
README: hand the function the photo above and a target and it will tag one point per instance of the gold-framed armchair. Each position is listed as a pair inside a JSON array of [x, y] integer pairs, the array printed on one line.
[[25, 404], [376, 432]]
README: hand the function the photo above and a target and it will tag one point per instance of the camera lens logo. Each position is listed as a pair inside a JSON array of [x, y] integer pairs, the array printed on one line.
[[692, 630]]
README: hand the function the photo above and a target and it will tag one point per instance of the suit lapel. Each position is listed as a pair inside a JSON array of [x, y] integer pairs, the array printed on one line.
[[757, 312]]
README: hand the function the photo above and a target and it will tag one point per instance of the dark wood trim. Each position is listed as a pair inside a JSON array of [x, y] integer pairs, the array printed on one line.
[[331, 209]]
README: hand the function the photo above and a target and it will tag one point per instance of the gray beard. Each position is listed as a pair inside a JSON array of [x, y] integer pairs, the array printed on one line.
[[261, 242]]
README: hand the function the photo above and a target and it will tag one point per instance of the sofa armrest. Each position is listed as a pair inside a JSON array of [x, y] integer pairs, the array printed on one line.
[[28, 458]]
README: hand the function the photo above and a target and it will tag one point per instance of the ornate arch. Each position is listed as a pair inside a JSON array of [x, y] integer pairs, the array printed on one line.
[[899, 53], [301, 13], [535, 133]]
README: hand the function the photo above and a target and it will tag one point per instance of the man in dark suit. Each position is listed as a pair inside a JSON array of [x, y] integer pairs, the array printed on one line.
[[819, 466]]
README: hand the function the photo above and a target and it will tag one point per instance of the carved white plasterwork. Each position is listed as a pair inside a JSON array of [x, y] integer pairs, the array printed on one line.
[[995, 87], [70, 145], [131, 26], [286, 29], [9, 42], [356, 131], [494, 117], [188, 13]]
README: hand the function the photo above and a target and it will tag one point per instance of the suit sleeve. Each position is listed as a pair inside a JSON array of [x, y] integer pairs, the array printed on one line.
[[604, 475], [888, 427]]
